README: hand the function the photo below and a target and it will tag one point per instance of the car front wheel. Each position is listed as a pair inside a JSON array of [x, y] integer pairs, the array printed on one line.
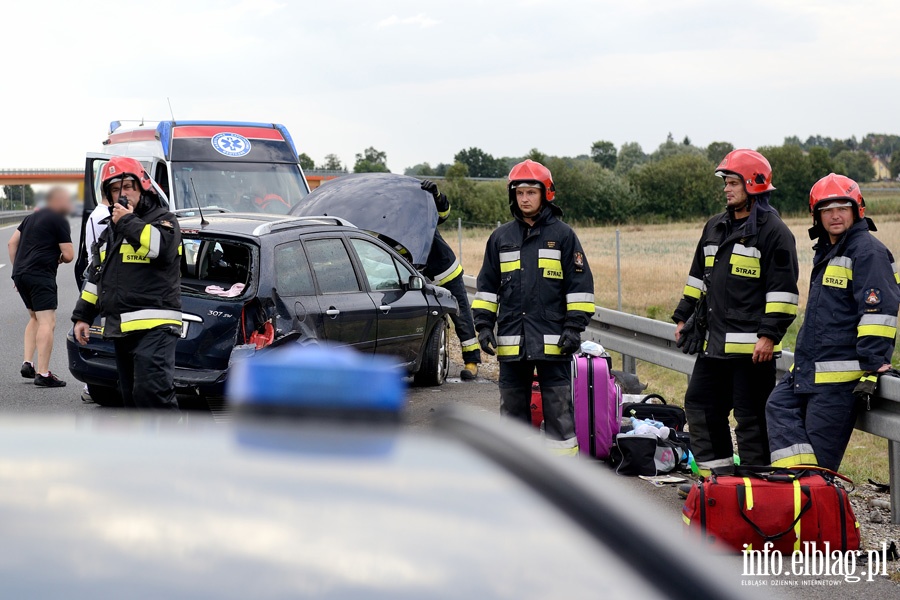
[[436, 359]]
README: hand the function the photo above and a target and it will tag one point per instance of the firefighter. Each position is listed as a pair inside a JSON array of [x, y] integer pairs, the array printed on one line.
[[848, 331], [134, 283], [740, 299], [536, 286], [443, 267]]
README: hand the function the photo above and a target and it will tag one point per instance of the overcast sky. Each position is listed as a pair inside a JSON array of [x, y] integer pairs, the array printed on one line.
[[421, 80]]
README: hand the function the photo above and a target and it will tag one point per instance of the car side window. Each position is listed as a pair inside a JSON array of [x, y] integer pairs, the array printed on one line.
[[292, 274], [332, 266], [378, 264]]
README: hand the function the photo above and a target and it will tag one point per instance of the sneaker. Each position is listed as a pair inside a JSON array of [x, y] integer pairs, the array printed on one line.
[[50, 381], [684, 489], [27, 370], [86, 396], [469, 373]]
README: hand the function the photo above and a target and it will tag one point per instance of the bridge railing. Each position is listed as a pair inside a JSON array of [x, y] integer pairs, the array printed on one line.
[[640, 338]]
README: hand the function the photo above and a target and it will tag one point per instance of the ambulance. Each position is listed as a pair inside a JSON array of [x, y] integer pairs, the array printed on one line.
[[218, 166]]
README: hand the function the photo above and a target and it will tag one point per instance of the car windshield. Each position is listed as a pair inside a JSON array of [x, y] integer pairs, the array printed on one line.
[[237, 187]]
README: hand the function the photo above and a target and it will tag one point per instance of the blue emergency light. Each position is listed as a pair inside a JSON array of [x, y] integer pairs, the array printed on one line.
[[318, 379]]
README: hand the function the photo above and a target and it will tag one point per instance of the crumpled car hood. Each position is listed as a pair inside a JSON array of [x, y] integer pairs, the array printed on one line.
[[390, 205]]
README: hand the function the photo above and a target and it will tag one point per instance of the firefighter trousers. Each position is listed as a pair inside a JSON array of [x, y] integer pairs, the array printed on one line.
[[146, 365], [555, 378], [810, 428], [462, 321], [718, 386]]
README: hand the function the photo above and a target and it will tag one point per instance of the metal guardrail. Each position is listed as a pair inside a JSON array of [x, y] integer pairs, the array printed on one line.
[[41, 171], [7, 217], [653, 341]]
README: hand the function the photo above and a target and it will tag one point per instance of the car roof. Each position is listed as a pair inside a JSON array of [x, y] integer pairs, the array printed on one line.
[[253, 224], [181, 510]]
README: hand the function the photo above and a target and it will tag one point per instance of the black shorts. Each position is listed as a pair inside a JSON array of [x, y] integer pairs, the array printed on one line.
[[37, 292]]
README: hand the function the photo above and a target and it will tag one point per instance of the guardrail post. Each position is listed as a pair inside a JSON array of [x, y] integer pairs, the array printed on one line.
[[629, 364], [894, 468]]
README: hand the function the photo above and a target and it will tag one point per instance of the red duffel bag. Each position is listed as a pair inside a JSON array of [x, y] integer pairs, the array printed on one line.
[[764, 504]]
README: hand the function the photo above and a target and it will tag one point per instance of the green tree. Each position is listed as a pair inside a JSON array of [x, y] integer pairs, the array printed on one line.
[[670, 148], [371, 161], [604, 153], [894, 165], [792, 176], [590, 193], [422, 170], [678, 186], [475, 202], [716, 151], [332, 163], [630, 155], [820, 163], [855, 164], [479, 163], [306, 163], [19, 196], [537, 156]]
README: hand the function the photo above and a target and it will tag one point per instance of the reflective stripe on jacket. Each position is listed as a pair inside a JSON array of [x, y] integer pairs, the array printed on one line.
[[851, 316], [534, 283], [749, 276], [134, 280]]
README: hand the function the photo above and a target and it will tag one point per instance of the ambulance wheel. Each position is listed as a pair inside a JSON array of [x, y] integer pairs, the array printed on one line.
[[105, 396], [436, 360]]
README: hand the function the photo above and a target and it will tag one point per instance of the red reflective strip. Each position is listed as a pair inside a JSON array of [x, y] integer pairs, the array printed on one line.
[[138, 135], [207, 131]]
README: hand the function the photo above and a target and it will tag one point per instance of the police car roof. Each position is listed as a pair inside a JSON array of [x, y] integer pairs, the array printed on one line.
[[119, 507], [250, 224]]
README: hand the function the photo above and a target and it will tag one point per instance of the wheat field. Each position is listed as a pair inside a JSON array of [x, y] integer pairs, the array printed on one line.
[[655, 261]]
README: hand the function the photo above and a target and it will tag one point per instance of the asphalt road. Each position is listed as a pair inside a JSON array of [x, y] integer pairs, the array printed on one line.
[[20, 397]]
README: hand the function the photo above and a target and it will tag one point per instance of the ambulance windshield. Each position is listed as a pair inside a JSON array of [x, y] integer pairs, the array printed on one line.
[[237, 187]]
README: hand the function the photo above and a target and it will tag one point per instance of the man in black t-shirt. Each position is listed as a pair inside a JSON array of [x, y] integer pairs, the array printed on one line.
[[40, 244]]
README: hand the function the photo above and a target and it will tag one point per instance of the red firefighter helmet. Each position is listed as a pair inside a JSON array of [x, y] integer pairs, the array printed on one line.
[[530, 171], [836, 187], [751, 166], [120, 167]]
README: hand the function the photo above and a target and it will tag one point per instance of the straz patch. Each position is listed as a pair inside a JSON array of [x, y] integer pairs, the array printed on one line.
[[835, 281], [553, 274], [745, 271], [166, 224], [130, 255], [579, 260], [873, 296]]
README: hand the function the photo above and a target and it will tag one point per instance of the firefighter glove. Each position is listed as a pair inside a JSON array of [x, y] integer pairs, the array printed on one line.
[[487, 341], [692, 337], [430, 187], [570, 341]]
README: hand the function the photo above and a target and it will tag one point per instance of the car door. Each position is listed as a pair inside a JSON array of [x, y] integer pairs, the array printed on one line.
[[402, 313], [296, 289], [349, 311]]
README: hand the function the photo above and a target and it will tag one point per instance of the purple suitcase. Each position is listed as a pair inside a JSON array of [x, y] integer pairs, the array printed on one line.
[[598, 405]]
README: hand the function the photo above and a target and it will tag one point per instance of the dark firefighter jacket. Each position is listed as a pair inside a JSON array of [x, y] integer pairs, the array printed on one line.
[[134, 280], [535, 281], [749, 275], [851, 315], [442, 264]]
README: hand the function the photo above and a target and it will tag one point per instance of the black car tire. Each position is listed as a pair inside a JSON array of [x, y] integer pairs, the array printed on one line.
[[105, 396], [436, 359]]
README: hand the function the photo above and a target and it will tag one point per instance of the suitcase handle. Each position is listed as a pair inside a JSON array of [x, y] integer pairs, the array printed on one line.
[[742, 499], [652, 397], [793, 472]]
